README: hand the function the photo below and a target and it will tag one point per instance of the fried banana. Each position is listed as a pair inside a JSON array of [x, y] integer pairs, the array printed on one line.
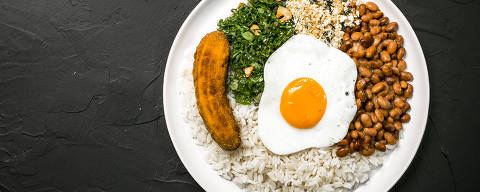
[[209, 77]]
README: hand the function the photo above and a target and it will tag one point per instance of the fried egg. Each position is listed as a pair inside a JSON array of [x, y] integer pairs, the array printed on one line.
[[308, 99]]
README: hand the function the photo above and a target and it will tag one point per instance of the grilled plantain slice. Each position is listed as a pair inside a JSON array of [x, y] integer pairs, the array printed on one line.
[[209, 77]]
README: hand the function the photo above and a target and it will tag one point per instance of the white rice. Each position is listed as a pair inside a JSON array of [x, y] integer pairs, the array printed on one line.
[[254, 168]]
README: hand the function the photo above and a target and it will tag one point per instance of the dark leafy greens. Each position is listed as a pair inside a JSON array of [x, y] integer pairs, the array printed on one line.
[[253, 50]]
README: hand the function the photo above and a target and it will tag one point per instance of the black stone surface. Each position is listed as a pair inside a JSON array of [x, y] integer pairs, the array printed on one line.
[[81, 95]]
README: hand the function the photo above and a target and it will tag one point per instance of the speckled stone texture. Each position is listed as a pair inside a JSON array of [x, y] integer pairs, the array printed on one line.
[[81, 95]]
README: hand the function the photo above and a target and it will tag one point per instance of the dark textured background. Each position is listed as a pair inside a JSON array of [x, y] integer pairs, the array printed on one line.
[[81, 95]]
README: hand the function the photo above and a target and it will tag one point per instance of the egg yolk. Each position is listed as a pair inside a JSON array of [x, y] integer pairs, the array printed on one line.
[[303, 103]]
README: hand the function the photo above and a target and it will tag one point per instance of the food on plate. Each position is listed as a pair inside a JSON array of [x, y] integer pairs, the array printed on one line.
[[254, 32], [382, 88], [317, 92], [308, 99], [209, 75]]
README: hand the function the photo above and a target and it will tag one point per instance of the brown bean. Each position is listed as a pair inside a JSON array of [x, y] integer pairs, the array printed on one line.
[[401, 53], [368, 151], [361, 95], [395, 70], [375, 102], [391, 36], [374, 118], [385, 56], [349, 52], [385, 113], [379, 115], [382, 35], [342, 152], [396, 88], [384, 20], [348, 44], [398, 125], [391, 27], [369, 106], [361, 135], [409, 91], [364, 27], [362, 9], [366, 40], [391, 47], [370, 51], [362, 62], [367, 140], [343, 47], [399, 40], [384, 103], [356, 36], [370, 131], [378, 14], [366, 120], [403, 84], [406, 107], [364, 72], [386, 69], [357, 145], [359, 103], [375, 64], [374, 22], [378, 71], [406, 76], [367, 17], [378, 126], [375, 78], [354, 134], [343, 142], [390, 96], [394, 63], [405, 118], [398, 102], [390, 139], [359, 50], [367, 34], [346, 37], [378, 87], [375, 30], [360, 84], [402, 65], [383, 142], [390, 80], [369, 93], [380, 134], [395, 113], [384, 93], [356, 28], [358, 125], [352, 147], [388, 126], [380, 146], [376, 41], [371, 6]]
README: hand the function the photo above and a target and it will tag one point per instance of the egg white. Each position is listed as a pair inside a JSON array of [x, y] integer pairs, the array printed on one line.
[[305, 56]]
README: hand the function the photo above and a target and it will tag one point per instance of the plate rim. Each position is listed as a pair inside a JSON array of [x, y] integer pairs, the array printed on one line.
[[415, 43]]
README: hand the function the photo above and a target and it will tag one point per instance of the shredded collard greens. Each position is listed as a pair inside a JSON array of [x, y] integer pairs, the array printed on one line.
[[253, 50]]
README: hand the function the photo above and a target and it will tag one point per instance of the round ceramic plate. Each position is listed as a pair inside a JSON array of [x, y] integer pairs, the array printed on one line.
[[203, 20]]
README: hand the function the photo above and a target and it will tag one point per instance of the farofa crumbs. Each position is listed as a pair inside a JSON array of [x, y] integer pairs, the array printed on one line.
[[324, 19]]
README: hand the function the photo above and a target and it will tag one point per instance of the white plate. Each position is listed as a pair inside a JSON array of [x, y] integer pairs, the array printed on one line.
[[204, 18]]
